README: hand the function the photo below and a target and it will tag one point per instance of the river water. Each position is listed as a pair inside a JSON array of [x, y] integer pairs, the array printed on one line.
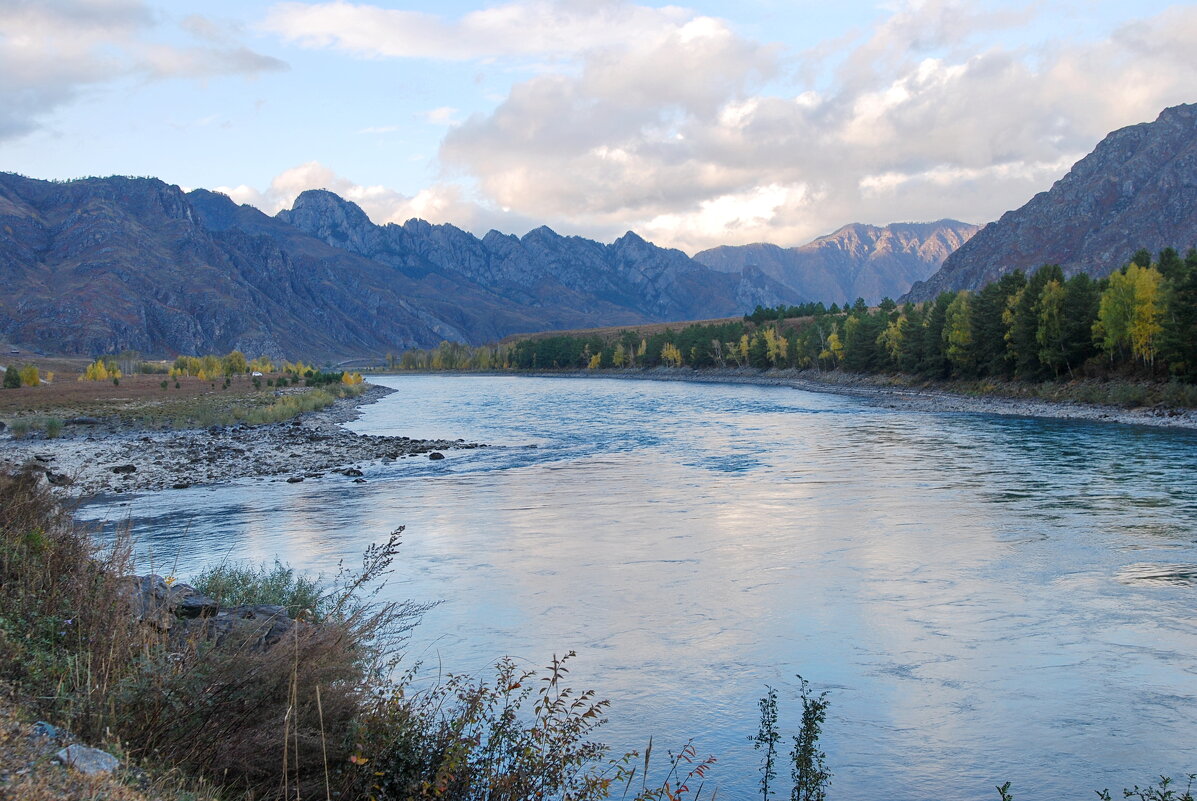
[[984, 598]]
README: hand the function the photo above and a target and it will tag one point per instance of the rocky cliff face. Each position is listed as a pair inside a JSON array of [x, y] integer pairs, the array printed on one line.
[[569, 282], [101, 265], [106, 264], [856, 261], [1137, 189]]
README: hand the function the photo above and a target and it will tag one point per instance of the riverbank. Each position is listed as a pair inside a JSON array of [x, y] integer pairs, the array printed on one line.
[[116, 455], [893, 393]]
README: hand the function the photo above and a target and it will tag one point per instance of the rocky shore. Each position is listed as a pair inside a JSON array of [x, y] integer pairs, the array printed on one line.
[[882, 392], [94, 457]]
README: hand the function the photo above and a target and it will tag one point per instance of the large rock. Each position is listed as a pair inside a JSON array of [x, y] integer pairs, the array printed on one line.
[[87, 760]]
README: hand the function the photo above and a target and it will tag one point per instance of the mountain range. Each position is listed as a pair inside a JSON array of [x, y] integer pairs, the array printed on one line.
[[99, 265], [857, 261], [1137, 189]]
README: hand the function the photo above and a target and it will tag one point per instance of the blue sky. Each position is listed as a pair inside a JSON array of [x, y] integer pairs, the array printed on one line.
[[695, 125]]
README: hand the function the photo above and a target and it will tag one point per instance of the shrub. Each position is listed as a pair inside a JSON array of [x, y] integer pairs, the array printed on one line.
[[116, 382], [12, 378], [260, 721], [245, 583], [53, 427], [19, 427], [163, 384]]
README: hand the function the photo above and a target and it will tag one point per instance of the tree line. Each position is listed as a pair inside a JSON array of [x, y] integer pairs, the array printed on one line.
[[1140, 322]]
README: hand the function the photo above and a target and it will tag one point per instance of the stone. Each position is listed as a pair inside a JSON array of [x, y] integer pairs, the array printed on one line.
[[81, 421], [196, 605], [435, 455], [294, 479], [181, 485], [359, 481], [352, 472], [90, 761], [44, 731], [125, 469]]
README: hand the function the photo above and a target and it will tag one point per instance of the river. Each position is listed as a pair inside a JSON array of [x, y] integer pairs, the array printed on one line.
[[984, 598]]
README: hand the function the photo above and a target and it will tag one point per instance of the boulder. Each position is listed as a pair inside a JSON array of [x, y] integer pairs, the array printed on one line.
[[87, 760], [125, 469], [436, 455]]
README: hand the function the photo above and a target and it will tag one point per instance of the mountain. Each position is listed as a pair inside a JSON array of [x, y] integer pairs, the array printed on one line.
[[1137, 189], [567, 282], [856, 261], [105, 264]]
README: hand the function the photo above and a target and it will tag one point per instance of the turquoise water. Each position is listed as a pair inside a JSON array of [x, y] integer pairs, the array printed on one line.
[[985, 598]]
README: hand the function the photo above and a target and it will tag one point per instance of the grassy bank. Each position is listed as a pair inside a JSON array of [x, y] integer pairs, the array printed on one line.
[[319, 713], [152, 402]]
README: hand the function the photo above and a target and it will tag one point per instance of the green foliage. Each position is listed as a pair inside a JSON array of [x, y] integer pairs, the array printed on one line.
[[53, 427], [278, 584], [809, 775], [12, 377], [1163, 792], [809, 772], [766, 739]]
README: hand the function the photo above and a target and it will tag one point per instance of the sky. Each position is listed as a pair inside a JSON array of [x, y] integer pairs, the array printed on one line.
[[697, 125]]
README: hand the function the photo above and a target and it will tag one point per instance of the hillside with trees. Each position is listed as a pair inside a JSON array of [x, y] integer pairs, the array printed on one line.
[[1137, 189], [1139, 323]]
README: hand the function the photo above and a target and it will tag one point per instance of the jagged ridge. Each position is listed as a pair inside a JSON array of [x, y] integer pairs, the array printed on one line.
[[857, 260], [1137, 189]]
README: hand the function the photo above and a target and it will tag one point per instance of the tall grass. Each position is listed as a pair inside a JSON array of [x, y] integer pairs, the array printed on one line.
[[317, 714], [289, 406]]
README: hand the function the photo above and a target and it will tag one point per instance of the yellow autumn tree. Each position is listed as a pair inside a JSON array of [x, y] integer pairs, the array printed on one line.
[[596, 361], [670, 355], [98, 371], [29, 376], [1131, 312]]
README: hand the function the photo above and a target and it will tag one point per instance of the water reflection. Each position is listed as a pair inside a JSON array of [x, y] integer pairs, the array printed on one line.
[[988, 598]]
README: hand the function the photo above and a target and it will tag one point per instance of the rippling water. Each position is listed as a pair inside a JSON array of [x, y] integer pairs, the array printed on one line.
[[986, 598]]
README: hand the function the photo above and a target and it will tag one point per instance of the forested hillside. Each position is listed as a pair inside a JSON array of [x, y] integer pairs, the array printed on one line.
[[1139, 322]]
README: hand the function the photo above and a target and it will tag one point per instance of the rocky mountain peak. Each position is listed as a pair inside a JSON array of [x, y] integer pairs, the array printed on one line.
[[1137, 189], [330, 218], [856, 260]]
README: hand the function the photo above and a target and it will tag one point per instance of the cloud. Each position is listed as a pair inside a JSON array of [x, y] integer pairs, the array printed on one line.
[[53, 50], [441, 203], [675, 135], [440, 116], [537, 28]]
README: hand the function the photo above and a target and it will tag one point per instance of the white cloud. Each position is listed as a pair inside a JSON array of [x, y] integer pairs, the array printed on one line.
[[673, 135], [441, 203], [445, 115], [51, 51], [532, 28]]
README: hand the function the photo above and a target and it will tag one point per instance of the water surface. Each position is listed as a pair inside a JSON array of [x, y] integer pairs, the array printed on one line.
[[985, 598]]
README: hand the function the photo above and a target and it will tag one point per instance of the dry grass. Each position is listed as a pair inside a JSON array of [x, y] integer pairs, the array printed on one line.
[[234, 713], [140, 400]]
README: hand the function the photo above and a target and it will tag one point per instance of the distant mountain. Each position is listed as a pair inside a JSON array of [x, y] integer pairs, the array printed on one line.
[[1137, 189], [856, 261], [105, 264], [565, 282]]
